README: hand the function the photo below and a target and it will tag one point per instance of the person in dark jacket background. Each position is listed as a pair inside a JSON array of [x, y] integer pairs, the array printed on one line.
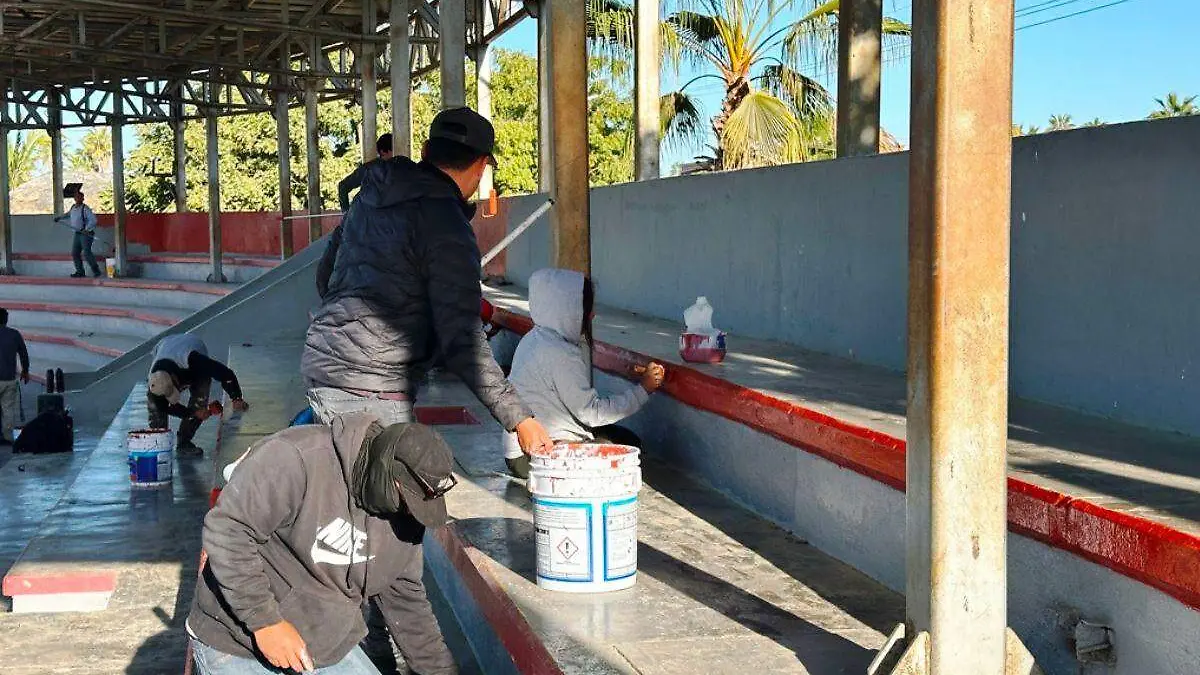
[[315, 520], [383, 147], [182, 362]]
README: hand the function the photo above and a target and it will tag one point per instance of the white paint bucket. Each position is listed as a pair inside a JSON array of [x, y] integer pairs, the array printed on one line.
[[151, 457], [585, 517]]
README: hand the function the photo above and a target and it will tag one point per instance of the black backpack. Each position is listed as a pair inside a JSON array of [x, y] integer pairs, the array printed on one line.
[[51, 431]]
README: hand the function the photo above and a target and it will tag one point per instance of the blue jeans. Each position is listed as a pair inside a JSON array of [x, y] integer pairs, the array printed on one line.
[[83, 244], [209, 661]]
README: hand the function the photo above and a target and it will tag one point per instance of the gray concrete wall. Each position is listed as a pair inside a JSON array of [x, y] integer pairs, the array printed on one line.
[[1104, 235], [861, 522]]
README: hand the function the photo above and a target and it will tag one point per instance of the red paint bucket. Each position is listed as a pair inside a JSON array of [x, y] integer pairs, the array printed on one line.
[[696, 348]]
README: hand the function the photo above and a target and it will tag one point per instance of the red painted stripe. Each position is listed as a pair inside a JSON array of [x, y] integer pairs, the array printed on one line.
[[72, 342], [116, 283], [116, 312], [44, 584], [1152, 553], [50, 257], [528, 652]]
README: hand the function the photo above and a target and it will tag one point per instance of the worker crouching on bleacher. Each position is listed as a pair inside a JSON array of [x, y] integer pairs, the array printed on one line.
[[182, 362], [552, 370], [315, 521]]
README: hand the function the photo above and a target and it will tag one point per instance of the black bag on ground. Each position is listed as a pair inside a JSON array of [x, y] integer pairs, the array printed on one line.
[[51, 431]]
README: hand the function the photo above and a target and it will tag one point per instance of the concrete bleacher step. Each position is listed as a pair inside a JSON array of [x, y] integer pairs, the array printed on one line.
[[104, 533], [169, 267], [75, 347], [144, 321], [121, 292], [719, 588]]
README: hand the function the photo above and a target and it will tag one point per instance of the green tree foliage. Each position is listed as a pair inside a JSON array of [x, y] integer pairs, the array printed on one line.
[[1060, 123], [1174, 105], [248, 163], [94, 153], [27, 154]]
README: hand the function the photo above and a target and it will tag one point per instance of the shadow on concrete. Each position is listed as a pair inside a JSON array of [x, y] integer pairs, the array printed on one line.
[[166, 652], [829, 578], [1176, 501]]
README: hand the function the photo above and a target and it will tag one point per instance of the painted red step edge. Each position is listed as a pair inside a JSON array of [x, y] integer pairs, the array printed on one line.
[[1150, 552], [158, 258], [529, 653], [116, 283], [115, 312], [46, 584], [72, 342]]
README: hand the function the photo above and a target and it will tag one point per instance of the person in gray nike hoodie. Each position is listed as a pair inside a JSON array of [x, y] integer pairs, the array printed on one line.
[[294, 551]]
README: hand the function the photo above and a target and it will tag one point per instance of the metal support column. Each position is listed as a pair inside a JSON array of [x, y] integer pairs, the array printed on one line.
[[545, 101], [56, 152], [179, 148], [569, 130], [120, 217], [284, 143], [483, 105], [5, 204], [959, 201], [647, 62], [366, 67], [214, 191], [860, 34], [401, 78], [452, 35], [312, 155]]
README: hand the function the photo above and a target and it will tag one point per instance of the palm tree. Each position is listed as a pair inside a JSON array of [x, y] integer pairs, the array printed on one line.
[[1060, 123], [1020, 130], [771, 112], [94, 152], [1174, 106], [27, 152], [1095, 122]]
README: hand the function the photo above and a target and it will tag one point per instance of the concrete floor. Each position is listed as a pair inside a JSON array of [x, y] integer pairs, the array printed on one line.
[[78, 512], [1147, 473], [719, 588]]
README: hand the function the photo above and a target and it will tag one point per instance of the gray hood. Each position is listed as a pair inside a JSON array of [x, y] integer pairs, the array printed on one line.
[[556, 302]]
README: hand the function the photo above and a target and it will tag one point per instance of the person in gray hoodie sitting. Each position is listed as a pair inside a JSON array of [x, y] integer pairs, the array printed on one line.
[[552, 367]]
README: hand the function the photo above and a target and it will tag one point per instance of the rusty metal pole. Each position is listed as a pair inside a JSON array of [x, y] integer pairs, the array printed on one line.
[[647, 62], [312, 156], [283, 142], [401, 78], [569, 133], [56, 151], [959, 201], [120, 216], [5, 204], [179, 143], [366, 66], [860, 35], [452, 36], [545, 101], [213, 158]]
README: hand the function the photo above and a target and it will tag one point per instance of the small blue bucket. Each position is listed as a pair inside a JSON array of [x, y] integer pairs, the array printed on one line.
[[151, 460]]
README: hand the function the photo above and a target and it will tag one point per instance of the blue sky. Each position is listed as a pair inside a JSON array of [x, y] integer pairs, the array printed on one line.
[[1109, 63]]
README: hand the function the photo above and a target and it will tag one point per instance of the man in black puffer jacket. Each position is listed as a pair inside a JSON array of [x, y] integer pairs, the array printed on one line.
[[399, 285]]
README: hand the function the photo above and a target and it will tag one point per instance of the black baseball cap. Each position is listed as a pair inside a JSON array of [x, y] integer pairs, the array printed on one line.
[[422, 466], [465, 127]]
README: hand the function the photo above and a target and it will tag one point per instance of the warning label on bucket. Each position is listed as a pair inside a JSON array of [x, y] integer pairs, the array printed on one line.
[[563, 540], [620, 539]]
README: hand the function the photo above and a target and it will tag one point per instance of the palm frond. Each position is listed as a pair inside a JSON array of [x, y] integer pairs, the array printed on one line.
[[813, 39], [808, 99], [682, 120], [762, 131], [612, 34]]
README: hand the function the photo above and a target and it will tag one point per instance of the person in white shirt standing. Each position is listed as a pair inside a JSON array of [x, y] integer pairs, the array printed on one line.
[[83, 221]]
